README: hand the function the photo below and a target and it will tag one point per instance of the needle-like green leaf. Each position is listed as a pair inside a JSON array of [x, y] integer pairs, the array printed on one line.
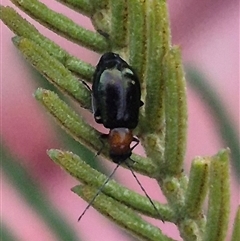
[[219, 198], [62, 25]]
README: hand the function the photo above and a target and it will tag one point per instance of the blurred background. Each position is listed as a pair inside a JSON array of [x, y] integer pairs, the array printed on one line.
[[36, 201]]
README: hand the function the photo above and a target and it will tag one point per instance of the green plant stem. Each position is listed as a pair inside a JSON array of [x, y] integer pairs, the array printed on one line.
[[219, 198], [139, 32], [82, 6], [157, 46], [87, 175], [82, 68], [154, 147], [119, 213], [62, 25], [82, 132], [182, 111], [189, 230], [236, 227], [172, 190], [118, 31], [99, 4], [137, 39], [54, 71], [68, 119], [197, 187], [172, 163], [24, 29]]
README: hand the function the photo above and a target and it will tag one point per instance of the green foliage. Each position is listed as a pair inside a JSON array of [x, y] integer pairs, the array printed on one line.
[[236, 228], [139, 32]]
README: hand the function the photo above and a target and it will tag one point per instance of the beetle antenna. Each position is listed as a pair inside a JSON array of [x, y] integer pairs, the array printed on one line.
[[139, 183], [98, 192]]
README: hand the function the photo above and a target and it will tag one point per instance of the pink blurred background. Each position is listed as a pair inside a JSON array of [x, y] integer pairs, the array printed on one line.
[[207, 32]]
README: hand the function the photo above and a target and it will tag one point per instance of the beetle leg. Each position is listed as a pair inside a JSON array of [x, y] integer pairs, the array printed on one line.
[[104, 34], [137, 142]]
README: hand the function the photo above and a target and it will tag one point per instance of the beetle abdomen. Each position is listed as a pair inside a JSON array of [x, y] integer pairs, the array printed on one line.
[[116, 93]]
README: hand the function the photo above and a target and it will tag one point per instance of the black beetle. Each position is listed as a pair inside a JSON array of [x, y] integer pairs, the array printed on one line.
[[116, 101], [116, 97]]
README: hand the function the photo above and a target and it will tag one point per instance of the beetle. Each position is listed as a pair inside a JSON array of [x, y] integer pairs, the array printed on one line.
[[116, 101]]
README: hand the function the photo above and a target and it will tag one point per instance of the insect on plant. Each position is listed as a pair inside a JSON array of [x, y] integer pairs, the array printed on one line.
[[116, 99]]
